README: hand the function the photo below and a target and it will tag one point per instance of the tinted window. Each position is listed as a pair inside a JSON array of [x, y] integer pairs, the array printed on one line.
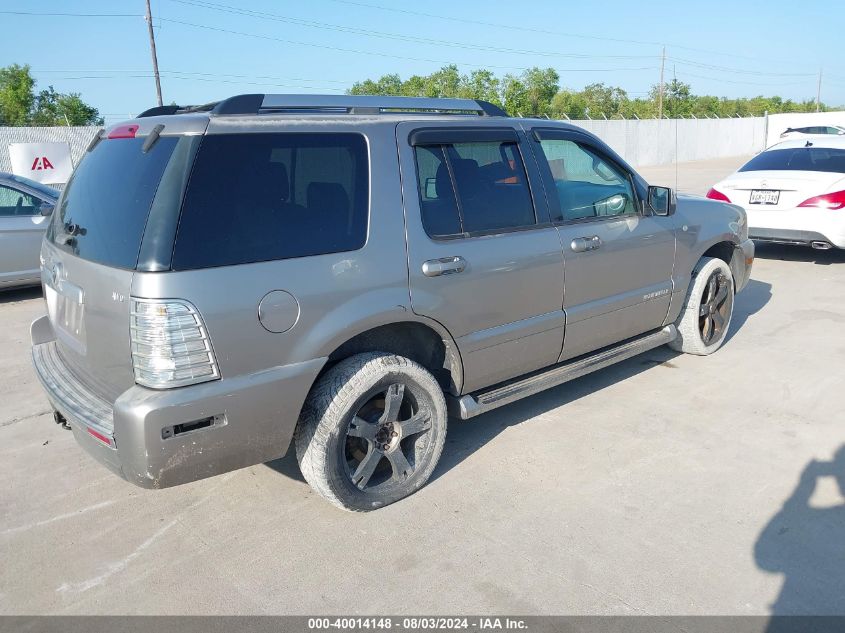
[[587, 185], [106, 202], [260, 197], [438, 205], [14, 202], [472, 188], [799, 159]]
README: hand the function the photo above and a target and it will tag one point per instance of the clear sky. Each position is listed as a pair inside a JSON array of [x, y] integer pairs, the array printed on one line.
[[208, 49]]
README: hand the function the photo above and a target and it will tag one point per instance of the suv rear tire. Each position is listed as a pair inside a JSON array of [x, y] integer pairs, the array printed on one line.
[[371, 431], [706, 318]]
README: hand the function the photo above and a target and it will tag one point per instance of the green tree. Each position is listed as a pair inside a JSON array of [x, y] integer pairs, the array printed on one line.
[[677, 98], [535, 92], [568, 104], [531, 93], [16, 95], [482, 84], [19, 105], [604, 100]]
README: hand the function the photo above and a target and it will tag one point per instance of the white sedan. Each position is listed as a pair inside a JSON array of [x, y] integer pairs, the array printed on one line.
[[803, 132], [793, 192]]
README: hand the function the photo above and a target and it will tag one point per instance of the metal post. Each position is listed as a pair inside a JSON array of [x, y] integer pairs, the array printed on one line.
[[660, 92], [765, 129], [819, 91], [153, 51]]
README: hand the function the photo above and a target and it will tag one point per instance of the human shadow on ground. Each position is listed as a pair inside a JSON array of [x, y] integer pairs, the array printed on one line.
[[807, 545]]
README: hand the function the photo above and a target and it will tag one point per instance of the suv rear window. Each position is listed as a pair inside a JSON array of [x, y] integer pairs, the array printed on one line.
[[798, 159], [261, 197], [105, 205]]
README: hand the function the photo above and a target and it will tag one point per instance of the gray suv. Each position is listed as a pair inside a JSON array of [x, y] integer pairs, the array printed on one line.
[[343, 273]]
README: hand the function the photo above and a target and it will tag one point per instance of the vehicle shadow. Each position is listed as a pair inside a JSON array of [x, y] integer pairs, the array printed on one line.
[[465, 438], [751, 300], [806, 543], [787, 253], [19, 294], [287, 465]]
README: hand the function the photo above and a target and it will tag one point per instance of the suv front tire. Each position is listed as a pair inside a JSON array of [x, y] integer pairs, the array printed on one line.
[[706, 318]]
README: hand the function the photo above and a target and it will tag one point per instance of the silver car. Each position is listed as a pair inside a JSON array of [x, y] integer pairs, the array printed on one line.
[[343, 273], [25, 207]]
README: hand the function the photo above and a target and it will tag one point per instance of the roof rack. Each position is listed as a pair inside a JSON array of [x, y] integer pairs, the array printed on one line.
[[176, 109], [333, 104]]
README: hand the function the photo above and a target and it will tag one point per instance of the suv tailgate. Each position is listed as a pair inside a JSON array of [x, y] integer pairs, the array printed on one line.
[[120, 207]]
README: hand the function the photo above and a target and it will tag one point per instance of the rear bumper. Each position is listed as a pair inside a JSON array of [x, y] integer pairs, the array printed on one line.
[[145, 436], [799, 226], [791, 236]]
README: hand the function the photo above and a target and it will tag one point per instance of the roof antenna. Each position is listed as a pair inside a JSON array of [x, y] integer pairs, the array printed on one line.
[[808, 144]]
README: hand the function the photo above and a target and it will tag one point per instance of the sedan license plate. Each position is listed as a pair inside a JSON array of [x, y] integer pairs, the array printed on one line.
[[764, 196]]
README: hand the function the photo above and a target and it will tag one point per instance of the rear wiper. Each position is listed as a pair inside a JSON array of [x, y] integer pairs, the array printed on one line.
[[152, 138]]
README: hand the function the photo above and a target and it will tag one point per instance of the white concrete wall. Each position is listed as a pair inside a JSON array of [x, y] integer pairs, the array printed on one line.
[[778, 123], [641, 143], [661, 142]]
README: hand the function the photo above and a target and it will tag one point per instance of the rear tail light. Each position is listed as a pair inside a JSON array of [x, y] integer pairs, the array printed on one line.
[[170, 346], [714, 194], [834, 200]]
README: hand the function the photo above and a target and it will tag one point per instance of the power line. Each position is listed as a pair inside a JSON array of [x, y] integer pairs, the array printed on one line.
[[757, 73], [381, 54], [75, 15], [263, 15], [118, 71], [515, 27], [207, 4], [743, 82]]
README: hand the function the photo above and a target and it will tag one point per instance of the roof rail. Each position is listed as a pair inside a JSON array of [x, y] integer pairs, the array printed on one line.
[[351, 104], [176, 109]]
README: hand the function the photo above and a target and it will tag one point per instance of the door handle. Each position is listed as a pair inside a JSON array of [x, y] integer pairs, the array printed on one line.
[[444, 266], [581, 244]]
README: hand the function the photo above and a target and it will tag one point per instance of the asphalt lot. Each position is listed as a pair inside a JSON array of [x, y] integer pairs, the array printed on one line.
[[667, 484]]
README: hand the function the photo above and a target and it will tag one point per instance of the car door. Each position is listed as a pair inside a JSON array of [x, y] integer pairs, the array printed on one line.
[[618, 260], [21, 229], [483, 258]]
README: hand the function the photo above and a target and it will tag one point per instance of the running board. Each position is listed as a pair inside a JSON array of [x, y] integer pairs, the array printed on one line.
[[474, 404]]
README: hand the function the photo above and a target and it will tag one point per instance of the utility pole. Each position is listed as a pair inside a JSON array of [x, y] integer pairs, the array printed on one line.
[[660, 93], [819, 91], [153, 51]]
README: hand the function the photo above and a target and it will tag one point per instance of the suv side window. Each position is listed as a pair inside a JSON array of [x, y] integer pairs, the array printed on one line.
[[473, 187], [587, 185], [263, 197], [14, 202]]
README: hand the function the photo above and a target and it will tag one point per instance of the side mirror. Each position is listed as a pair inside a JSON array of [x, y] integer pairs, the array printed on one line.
[[661, 200], [46, 208]]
